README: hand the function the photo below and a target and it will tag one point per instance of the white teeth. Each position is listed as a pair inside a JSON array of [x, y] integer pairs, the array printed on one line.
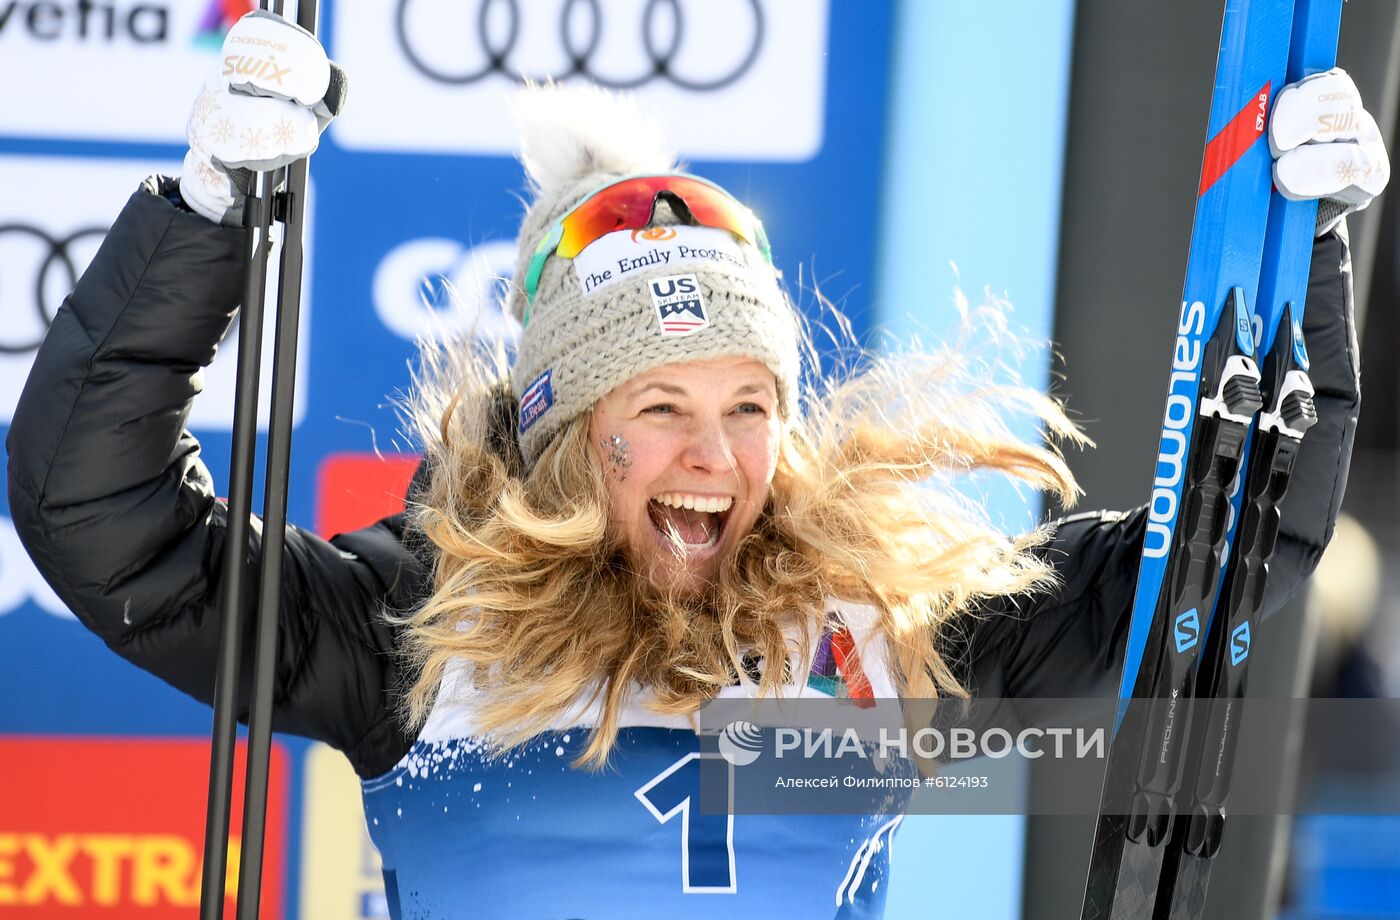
[[695, 502]]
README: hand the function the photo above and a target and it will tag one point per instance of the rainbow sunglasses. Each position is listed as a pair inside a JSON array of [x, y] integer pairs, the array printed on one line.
[[630, 204]]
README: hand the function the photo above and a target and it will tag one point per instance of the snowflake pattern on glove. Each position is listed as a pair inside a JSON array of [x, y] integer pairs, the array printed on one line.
[[253, 143], [205, 106], [222, 131], [283, 132], [211, 178]]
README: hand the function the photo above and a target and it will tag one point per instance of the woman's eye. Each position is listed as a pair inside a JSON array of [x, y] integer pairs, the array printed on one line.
[[750, 409], [661, 409]]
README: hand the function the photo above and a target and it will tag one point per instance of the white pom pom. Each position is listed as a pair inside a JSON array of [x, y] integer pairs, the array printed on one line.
[[570, 132]]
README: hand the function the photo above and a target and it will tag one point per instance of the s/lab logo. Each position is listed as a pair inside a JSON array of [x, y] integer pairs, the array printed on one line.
[[1188, 630]]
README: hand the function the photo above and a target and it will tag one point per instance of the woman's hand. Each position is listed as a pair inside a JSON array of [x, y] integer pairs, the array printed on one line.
[[264, 105], [1327, 146]]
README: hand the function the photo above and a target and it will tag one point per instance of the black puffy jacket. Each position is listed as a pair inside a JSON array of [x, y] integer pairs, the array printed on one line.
[[109, 496]]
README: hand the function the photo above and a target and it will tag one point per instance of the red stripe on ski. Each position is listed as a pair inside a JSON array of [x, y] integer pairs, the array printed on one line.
[[848, 663], [1226, 148]]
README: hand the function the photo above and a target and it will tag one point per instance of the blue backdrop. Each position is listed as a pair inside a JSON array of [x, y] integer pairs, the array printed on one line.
[[878, 143]]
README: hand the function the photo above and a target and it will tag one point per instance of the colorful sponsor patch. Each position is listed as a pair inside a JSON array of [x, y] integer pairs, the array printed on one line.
[[97, 827], [536, 399], [219, 16], [680, 307], [623, 254], [836, 669]]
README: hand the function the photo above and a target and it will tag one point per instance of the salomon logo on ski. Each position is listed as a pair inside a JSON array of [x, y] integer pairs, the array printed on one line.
[[1239, 643], [1176, 428], [1188, 630]]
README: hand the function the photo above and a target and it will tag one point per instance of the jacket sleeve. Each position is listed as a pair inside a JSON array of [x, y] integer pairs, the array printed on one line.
[[110, 497], [1069, 642]]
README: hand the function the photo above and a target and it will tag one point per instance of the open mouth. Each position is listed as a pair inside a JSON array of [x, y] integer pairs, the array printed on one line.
[[687, 522]]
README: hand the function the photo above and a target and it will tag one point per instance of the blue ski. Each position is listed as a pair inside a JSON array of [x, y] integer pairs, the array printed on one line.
[[1269, 463], [1213, 396]]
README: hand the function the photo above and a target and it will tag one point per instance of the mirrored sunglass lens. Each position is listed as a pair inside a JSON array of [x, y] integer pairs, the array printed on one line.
[[712, 207], [622, 207], [628, 206], [716, 211]]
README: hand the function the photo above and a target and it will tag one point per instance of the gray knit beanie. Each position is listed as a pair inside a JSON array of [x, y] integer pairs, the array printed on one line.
[[611, 313]]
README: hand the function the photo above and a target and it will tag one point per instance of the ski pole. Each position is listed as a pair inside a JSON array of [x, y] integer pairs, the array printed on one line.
[[289, 208], [277, 195]]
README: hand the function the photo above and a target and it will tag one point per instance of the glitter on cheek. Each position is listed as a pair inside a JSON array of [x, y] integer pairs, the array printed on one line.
[[618, 454]]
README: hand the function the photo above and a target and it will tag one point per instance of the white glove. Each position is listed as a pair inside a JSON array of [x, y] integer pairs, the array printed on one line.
[[264, 105], [1327, 146]]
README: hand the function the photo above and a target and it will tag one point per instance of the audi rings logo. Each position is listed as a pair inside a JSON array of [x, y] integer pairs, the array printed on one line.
[[727, 79], [40, 268], [666, 40]]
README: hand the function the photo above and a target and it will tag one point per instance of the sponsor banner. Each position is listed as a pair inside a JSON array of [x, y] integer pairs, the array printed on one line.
[[755, 67], [95, 58], [340, 869], [354, 489], [617, 256], [20, 582], [437, 288], [52, 221], [417, 243], [114, 827]]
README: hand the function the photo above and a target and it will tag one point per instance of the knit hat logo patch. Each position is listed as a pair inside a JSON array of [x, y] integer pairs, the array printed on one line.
[[680, 307], [538, 397], [623, 254]]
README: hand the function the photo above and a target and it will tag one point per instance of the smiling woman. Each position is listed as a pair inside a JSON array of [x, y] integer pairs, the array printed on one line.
[[691, 447], [657, 504]]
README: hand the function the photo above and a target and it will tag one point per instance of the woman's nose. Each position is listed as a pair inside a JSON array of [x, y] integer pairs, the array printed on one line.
[[708, 449]]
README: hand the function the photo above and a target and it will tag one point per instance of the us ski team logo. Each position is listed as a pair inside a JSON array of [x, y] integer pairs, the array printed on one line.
[[538, 397], [680, 308]]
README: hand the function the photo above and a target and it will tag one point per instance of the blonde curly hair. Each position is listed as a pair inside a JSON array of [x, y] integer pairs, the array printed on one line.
[[536, 598]]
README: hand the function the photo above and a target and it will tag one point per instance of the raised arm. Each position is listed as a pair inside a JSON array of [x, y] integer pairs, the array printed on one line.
[[1069, 642], [111, 499]]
